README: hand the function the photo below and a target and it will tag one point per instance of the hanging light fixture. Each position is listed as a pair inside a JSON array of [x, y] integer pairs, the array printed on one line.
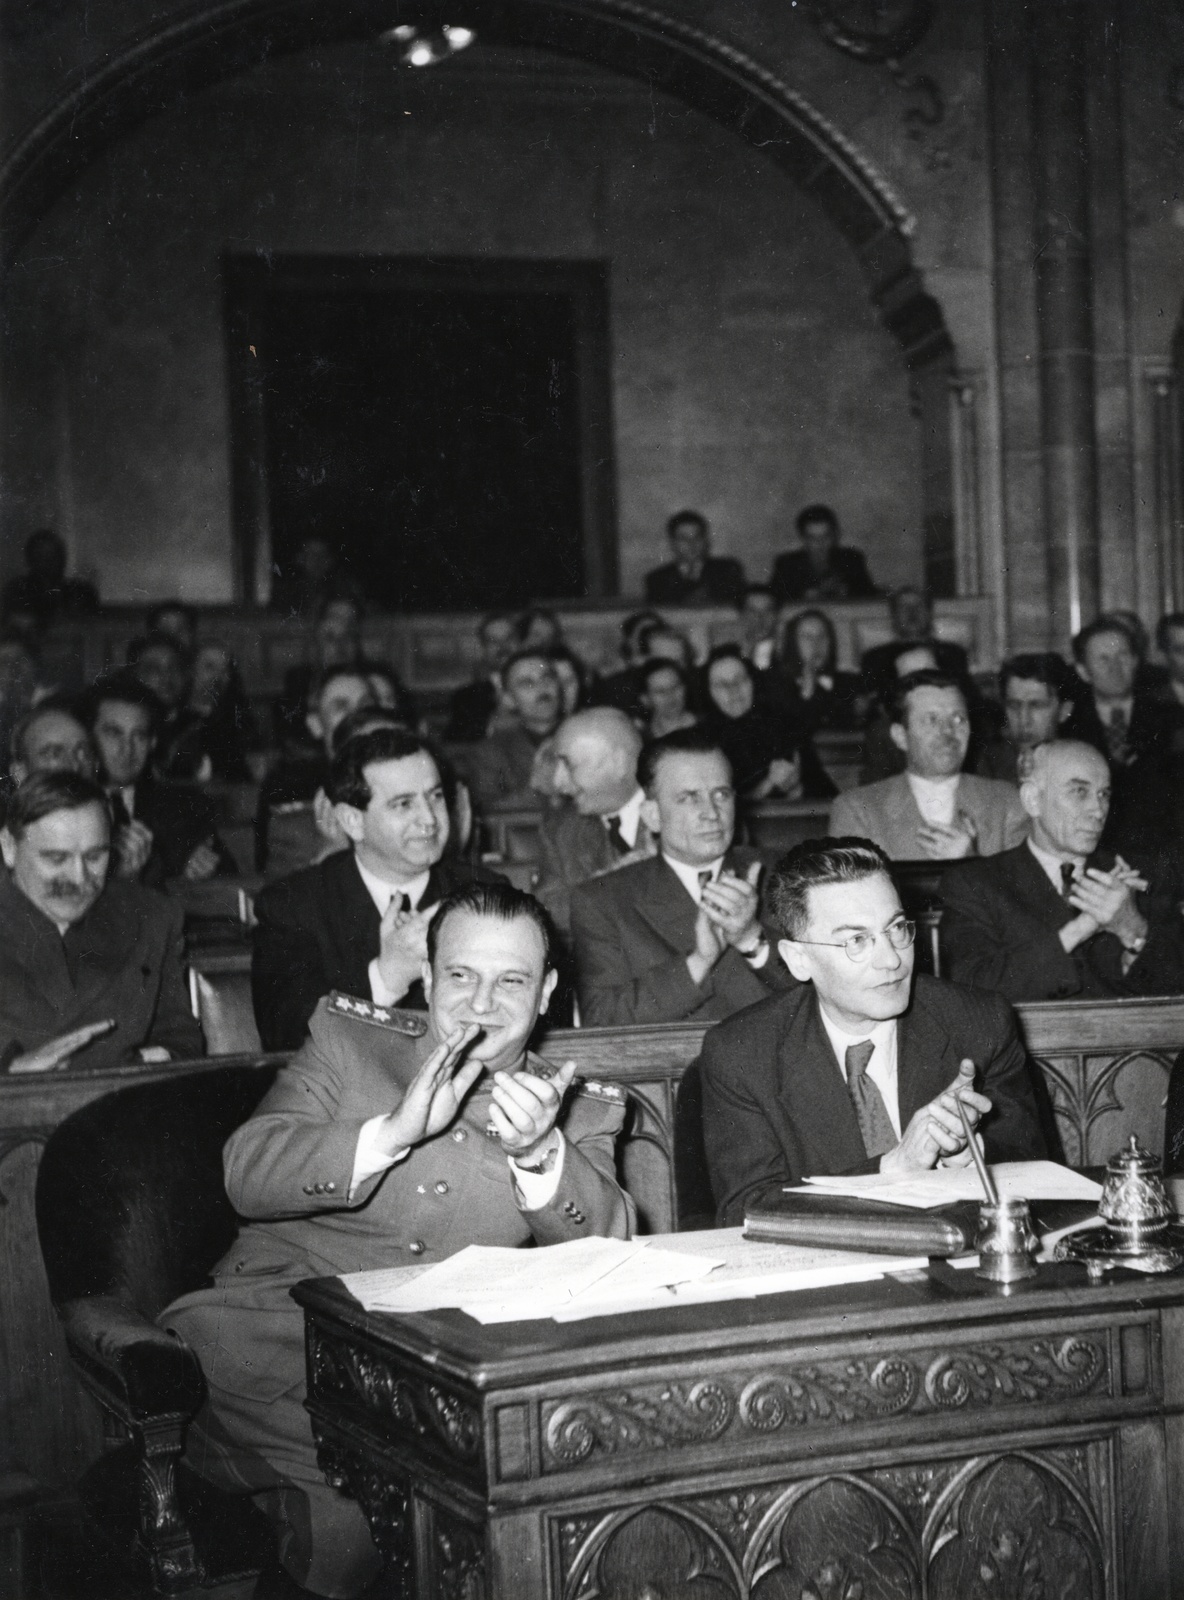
[[424, 47]]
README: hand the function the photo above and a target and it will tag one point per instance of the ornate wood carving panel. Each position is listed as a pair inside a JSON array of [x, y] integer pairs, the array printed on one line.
[[1014, 1525], [659, 1415]]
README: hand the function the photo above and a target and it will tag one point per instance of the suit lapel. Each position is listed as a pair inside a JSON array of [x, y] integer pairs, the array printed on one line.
[[353, 918], [664, 904], [103, 945], [905, 816], [925, 1061], [815, 1096], [34, 944]]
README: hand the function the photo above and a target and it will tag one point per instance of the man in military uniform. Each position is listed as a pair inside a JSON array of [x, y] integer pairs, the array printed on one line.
[[391, 1138]]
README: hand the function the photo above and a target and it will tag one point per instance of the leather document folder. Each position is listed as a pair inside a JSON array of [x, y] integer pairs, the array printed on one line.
[[840, 1222]]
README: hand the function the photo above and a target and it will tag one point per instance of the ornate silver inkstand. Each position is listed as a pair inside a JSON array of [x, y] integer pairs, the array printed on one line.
[[1139, 1228], [1006, 1241]]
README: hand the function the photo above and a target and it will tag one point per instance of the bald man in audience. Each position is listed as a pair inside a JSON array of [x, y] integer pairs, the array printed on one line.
[[1057, 918], [677, 937], [599, 825], [90, 968], [933, 810], [51, 738]]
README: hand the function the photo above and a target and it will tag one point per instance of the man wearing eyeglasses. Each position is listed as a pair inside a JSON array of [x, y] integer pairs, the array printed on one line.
[[860, 1068]]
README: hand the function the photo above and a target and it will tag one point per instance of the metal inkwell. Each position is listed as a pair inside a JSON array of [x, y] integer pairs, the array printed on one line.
[[1139, 1229]]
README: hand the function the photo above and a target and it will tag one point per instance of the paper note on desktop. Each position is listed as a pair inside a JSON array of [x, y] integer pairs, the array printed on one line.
[[492, 1274], [1015, 1180]]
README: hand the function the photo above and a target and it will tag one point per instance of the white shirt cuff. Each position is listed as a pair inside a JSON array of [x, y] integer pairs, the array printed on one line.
[[379, 993], [368, 1158], [758, 957], [538, 1189]]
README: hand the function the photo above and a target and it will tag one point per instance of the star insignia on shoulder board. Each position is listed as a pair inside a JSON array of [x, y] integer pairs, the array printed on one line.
[[413, 1024]]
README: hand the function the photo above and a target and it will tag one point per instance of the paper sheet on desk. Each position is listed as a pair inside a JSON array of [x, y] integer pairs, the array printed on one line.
[[1015, 1180], [493, 1273]]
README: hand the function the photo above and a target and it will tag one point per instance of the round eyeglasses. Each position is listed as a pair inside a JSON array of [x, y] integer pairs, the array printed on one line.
[[859, 946]]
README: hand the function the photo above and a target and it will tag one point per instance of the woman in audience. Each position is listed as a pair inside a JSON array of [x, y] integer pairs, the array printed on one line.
[[575, 680], [807, 685], [665, 694], [769, 758], [390, 695]]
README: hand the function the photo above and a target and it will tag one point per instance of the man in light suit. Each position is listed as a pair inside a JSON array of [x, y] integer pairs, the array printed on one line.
[[90, 967], [933, 810], [676, 937], [372, 1149], [600, 823], [858, 1069], [1056, 917]]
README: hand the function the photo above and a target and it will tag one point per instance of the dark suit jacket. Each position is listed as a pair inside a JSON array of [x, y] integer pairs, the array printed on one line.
[[123, 960], [999, 931], [572, 849], [776, 1108], [720, 583], [319, 930], [470, 710], [793, 577], [633, 930], [1146, 808], [877, 666], [499, 769], [180, 819]]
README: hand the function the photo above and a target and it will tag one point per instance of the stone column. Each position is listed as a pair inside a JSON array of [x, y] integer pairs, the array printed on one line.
[[1061, 179]]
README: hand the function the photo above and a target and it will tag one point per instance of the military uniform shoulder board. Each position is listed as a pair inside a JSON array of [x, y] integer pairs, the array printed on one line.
[[412, 1023], [611, 1092]]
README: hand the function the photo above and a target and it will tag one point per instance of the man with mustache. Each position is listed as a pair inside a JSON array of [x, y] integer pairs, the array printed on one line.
[[90, 969], [374, 1149], [358, 920], [933, 810]]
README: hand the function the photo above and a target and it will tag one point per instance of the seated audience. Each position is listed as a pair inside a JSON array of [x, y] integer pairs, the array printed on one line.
[[1133, 729], [620, 689], [161, 665], [90, 967], [500, 768], [575, 680], [599, 823], [18, 685], [695, 577], [912, 624], [665, 693], [538, 629], [336, 642], [822, 569], [857, 1069], [766, 754], [52, 738], [933, 810], [178, 621], [758, 627], [391, 1113], [357, 921], [43, 594], [310, 577], [472, 707], [1056, 918], [1036, 696], [807, 687], [1150, 675], [160, 830], [1169, 636], [676, 937], [223, 723], [296, 779]]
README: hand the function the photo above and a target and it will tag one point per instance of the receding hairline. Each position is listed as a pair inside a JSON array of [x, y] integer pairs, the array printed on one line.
[[518, 916], [1057, 752]]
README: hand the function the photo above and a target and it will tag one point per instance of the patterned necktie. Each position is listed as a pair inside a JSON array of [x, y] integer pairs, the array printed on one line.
[[1116, 732], [612, 826], [875, 1126], [1067, 873]]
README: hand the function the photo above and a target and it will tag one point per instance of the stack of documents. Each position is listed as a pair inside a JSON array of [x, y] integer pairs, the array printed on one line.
[[1015, 1180], [601, 1277]]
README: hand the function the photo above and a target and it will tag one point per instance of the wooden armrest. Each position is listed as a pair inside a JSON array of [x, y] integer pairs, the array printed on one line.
[[138, 1370]]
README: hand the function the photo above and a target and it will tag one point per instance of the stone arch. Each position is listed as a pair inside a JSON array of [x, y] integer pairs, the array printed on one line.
[[702, 69]]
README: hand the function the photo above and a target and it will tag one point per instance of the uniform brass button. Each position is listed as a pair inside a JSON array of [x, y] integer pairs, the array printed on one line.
[[417, 1247], [308, 1188], [318, 1188], [441, 1187], [460, 1135], [330, 1188], [421, 1188]]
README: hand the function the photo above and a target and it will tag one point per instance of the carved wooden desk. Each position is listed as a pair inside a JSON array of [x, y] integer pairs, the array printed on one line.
[[906, 1438]]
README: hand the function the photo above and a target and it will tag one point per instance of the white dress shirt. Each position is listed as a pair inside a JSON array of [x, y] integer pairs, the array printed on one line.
[[692, 882], [382, 893], [881, 1068], [937, 798], [1052, 865], [628, 818]]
